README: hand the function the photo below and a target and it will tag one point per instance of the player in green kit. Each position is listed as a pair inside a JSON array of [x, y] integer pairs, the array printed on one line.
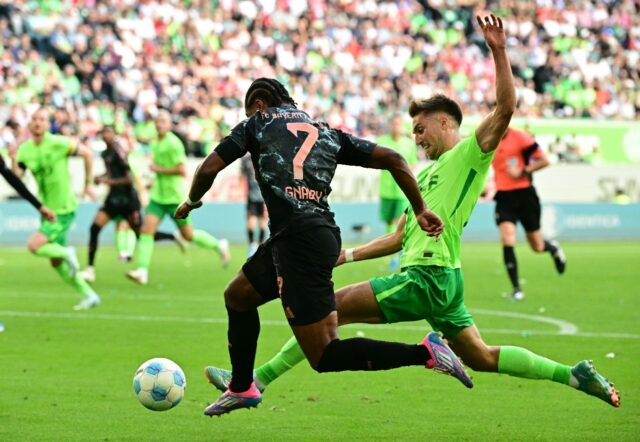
[[430, 285], [392, 200], [46, 156], [22, 190], [169, 165]]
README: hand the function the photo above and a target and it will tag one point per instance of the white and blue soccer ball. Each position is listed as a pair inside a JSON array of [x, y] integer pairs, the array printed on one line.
[[159, 384]]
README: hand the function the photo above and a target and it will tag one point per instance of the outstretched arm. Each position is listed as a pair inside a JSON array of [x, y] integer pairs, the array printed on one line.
[[382, 246], [202, 181], [492, 129], [384, 158], [22, 190]]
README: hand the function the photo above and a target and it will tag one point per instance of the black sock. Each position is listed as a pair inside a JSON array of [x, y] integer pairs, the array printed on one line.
[[366, 354], [244, 328], [250, 235], [548, 247], [261, 236], [163, 236], [512, 265], [93, 242]]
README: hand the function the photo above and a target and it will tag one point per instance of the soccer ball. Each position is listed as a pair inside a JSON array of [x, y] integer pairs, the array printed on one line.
[[159, 384]]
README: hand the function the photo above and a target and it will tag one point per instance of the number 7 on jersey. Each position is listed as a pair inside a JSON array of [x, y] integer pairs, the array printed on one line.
[[309, 142]]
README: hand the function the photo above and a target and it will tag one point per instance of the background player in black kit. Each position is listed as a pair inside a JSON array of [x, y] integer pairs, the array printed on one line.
[[295, 159], [255, 205], [122, 202]]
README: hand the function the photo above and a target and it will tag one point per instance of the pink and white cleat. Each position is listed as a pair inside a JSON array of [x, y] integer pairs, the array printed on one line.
[[231, 400], [444, 360]]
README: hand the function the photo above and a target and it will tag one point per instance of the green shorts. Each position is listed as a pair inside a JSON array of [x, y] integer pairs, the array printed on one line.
[[160, 210], [391, 209], [435, 294], [56, 231]]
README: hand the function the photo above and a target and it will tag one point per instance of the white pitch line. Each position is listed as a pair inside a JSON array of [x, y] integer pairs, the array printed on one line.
[[268, 322], [565, 327], [117, 294]]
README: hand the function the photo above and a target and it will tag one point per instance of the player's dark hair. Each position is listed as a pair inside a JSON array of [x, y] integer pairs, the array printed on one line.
[[270, 90], [436, 103]]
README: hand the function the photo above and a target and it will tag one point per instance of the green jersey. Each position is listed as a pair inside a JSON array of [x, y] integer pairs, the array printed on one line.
[[48, 163], [451, 187], [168, 152], [145, 131], [406, 147]]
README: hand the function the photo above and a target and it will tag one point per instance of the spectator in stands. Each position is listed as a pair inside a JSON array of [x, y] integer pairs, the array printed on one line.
[[351, 62]]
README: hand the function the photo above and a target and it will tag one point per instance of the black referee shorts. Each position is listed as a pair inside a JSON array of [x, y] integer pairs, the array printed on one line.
[[521, 205], [255, 208], [298, 268]]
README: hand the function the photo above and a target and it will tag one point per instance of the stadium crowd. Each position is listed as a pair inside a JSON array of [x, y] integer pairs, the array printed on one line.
[[352, 63]]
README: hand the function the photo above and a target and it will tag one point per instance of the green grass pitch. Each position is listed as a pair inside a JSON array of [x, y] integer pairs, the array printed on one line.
[[67, 376]]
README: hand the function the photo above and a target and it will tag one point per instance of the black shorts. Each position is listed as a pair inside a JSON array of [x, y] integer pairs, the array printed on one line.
[[298, 268], [255, 208], [519, 205], [121, 207]]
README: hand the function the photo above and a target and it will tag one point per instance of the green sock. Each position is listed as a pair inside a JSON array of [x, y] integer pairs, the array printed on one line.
[[521, 363], [121, 241], [203, 239], [131, 241], [76, 282], [63, 271], [145, 250], [82, 286], [289, 355], [52, 250]]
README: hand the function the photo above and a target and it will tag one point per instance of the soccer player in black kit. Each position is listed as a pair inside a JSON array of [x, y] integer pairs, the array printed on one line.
[[121, 202], [295, 159]]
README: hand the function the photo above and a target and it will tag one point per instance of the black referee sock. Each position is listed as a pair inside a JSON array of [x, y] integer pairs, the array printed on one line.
[[250, 235], [261, 236], [512, 265], [163, 236], [548, 247], [244, 328], [359, 354]]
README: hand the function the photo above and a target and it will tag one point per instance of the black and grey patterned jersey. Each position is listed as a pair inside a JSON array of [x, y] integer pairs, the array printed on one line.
[[254, 195], [115, 161], [295, 159]]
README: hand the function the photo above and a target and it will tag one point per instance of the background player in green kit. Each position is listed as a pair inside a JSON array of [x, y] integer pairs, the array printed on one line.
[[430, 284], [169, 165], [22, 190], [46, 156], [121, 203], [392, 200]]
